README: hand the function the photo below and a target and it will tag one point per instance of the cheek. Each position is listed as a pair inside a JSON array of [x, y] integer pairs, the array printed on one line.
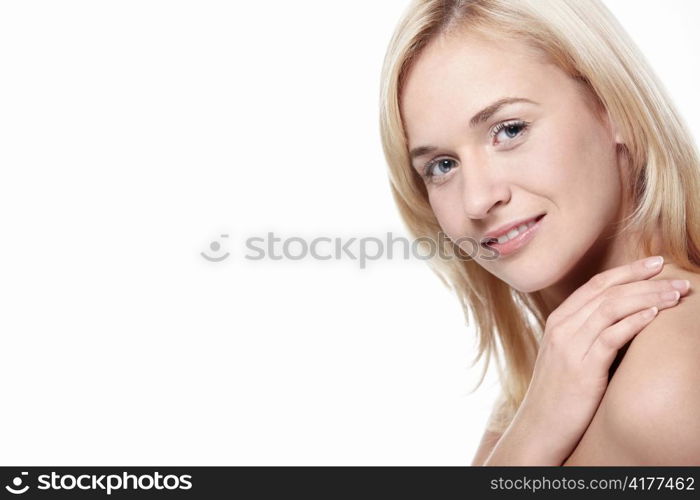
[[578, 168], [448, 211]]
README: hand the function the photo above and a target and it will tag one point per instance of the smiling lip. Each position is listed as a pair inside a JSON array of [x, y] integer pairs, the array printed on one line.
[[496, 233], [510, 246]]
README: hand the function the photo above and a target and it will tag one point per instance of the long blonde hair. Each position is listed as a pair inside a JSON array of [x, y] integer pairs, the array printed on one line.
[[585, 40]]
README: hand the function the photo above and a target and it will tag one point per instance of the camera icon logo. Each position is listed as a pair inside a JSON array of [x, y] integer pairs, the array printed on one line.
[[215, 246], [17, 482]]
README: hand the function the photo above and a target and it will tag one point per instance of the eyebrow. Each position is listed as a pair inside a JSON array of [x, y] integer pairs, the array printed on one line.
[[476, 120]]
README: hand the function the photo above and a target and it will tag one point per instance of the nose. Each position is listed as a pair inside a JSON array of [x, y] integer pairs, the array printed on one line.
[[483, 188]]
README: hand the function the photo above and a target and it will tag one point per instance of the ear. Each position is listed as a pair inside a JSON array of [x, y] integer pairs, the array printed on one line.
[[618, 136], [615, 131]]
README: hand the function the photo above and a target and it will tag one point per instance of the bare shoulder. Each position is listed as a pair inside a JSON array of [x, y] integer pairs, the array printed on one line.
[[649, 413]]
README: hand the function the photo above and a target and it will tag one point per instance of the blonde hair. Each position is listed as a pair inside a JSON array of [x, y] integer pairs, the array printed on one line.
[[585, 40]]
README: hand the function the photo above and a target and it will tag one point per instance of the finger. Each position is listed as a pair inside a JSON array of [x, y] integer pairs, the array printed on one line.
[[611, 340], [576, 320], [646, 286], [612, 311], [635, 271]]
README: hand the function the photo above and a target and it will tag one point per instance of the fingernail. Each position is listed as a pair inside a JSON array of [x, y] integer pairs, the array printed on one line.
[[650, 312], [653, 262], [682, 285], [675, 295]]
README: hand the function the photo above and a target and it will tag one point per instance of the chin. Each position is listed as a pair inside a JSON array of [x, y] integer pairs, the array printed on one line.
[[534, 280], [529, 287], [538, 277]]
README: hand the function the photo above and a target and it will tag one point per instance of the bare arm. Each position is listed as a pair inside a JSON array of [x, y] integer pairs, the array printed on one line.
[[518, 444], [490, 437], [649, 415], [488, 442], [524, 442], [581, 339]]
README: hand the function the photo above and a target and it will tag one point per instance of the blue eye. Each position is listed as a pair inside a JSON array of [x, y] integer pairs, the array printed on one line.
[[512, 129], [437, 169], [441, 164]]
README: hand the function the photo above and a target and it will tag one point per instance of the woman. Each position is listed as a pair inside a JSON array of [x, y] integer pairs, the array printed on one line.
[[536, 129]]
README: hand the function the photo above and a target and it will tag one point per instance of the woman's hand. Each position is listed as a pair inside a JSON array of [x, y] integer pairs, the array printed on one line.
[[581, 339]]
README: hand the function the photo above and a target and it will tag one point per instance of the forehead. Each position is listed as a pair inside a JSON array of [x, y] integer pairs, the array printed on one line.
[[458, 75]]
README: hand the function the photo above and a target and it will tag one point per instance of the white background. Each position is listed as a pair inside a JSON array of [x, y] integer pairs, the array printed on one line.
[[133, 134]]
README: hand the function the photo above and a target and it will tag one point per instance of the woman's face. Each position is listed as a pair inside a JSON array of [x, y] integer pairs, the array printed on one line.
[[555, 156]]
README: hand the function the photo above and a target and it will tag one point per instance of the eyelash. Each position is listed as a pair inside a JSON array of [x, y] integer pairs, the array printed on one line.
[[427, 170]]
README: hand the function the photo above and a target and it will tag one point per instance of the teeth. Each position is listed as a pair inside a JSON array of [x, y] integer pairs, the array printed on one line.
[[513, 233]]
